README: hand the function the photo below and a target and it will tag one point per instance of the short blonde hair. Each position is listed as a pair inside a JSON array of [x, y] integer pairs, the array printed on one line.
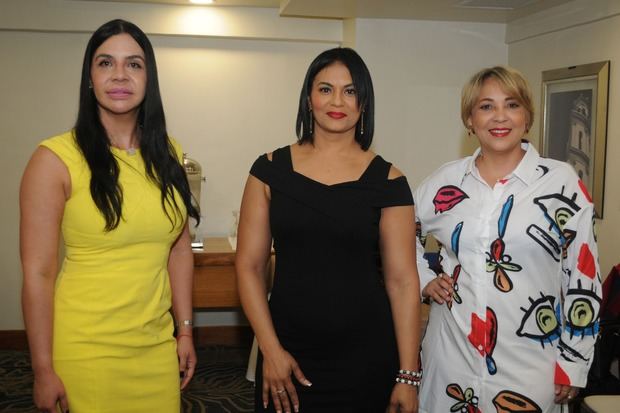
[[510, 80]]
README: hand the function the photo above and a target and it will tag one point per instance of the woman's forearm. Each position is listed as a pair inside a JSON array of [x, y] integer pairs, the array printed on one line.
[[44, 189], [405, 304], [181, 271], [38, 310], [251, 281]]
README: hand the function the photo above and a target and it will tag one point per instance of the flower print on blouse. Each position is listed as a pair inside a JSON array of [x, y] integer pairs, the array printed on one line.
[[527, 287]]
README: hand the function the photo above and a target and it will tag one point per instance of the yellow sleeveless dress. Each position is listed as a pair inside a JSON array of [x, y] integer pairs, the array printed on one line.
[[113, 346]]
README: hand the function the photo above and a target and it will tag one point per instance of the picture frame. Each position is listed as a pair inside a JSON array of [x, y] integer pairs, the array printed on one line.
[[574, 122]]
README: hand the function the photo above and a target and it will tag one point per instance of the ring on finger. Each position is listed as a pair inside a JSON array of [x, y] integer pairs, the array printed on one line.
[[280, 391]]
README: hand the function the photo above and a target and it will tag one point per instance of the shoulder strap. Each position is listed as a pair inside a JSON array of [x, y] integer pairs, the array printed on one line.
[[282, 158], [378, 170]]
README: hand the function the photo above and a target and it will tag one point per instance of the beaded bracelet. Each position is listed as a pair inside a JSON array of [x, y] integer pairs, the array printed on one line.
[[184, 335], [409, 377], [409, 382], [416, 374]]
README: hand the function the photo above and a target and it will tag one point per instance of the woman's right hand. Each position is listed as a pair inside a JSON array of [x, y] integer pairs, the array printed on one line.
[[440, 289], [277, 381], [49, 392]]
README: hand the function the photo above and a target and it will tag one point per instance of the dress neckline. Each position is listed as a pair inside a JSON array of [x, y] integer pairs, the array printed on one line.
[[361, 177]]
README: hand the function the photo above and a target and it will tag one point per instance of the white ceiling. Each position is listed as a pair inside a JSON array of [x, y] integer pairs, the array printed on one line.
[[499, 11]]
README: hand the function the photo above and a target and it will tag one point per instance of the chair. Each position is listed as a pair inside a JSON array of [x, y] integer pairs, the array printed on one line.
[[602, 394], [600, 404]]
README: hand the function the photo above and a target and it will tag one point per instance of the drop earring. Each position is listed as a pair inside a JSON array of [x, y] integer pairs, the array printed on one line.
[[362, 123], [310, 124]]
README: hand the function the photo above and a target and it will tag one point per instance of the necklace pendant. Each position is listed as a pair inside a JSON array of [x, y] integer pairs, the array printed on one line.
[[131, 151]]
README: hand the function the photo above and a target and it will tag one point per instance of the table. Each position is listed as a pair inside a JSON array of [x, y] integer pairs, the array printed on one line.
[[215, 280], [215, 284]]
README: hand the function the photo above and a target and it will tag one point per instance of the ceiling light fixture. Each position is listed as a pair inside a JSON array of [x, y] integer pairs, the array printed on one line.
[[202, 1]]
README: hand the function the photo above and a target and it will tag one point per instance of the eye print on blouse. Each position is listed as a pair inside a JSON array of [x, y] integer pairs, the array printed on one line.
[[541, 321], [557, 209], [583, 311]]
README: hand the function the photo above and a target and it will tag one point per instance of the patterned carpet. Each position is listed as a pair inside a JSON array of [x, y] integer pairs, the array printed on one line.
[[219, 385]]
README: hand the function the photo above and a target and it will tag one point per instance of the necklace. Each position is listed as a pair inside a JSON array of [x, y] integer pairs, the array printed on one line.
[[130, 150]]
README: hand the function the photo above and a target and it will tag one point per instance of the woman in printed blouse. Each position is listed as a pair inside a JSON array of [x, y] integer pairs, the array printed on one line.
[[514, 311]]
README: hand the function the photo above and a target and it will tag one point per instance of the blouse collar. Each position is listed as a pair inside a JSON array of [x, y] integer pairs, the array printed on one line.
[[525, 170]]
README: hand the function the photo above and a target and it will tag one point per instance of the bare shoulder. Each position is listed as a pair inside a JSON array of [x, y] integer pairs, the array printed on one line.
[[46, 169], [294, 148], [48, 163], [394, 173]]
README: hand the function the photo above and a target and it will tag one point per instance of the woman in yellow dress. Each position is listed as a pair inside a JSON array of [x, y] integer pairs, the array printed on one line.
[[100, 327]]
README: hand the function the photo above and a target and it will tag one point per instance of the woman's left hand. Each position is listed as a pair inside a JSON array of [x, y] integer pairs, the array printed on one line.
[[404, 399], [187, 358], [565, 393]]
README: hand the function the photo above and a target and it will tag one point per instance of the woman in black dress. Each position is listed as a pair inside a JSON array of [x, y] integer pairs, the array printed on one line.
[[343, 317]]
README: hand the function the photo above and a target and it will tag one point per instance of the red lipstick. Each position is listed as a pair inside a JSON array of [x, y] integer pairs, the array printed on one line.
[[336, 115], [500, 132]]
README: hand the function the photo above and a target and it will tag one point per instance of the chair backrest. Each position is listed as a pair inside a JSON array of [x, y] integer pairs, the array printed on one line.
[[601, 380]]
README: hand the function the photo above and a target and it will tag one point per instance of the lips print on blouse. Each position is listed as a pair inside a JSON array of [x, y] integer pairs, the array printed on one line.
[[508, 401], [448, 197]]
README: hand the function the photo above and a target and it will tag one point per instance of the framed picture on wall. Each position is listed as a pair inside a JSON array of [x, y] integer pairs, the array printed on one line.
[[574, 122]]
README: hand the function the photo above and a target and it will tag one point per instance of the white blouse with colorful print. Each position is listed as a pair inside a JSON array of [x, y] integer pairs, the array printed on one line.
[[527, 286]]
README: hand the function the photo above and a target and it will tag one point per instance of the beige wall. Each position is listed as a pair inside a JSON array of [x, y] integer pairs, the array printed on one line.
[[418, 69], [591, 33], [228, 98], [230, 93]]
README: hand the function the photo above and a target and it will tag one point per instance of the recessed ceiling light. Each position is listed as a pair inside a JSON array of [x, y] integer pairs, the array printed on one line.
[[202, 1]]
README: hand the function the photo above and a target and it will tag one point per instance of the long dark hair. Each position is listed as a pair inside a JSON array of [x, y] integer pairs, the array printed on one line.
[[363, 86], [161, 162]]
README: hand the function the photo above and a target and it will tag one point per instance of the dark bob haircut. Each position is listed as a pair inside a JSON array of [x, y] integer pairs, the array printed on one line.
[[363, 86]]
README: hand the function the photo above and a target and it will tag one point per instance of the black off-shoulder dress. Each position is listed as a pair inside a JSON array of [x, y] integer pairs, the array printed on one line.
[[329, 305]]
